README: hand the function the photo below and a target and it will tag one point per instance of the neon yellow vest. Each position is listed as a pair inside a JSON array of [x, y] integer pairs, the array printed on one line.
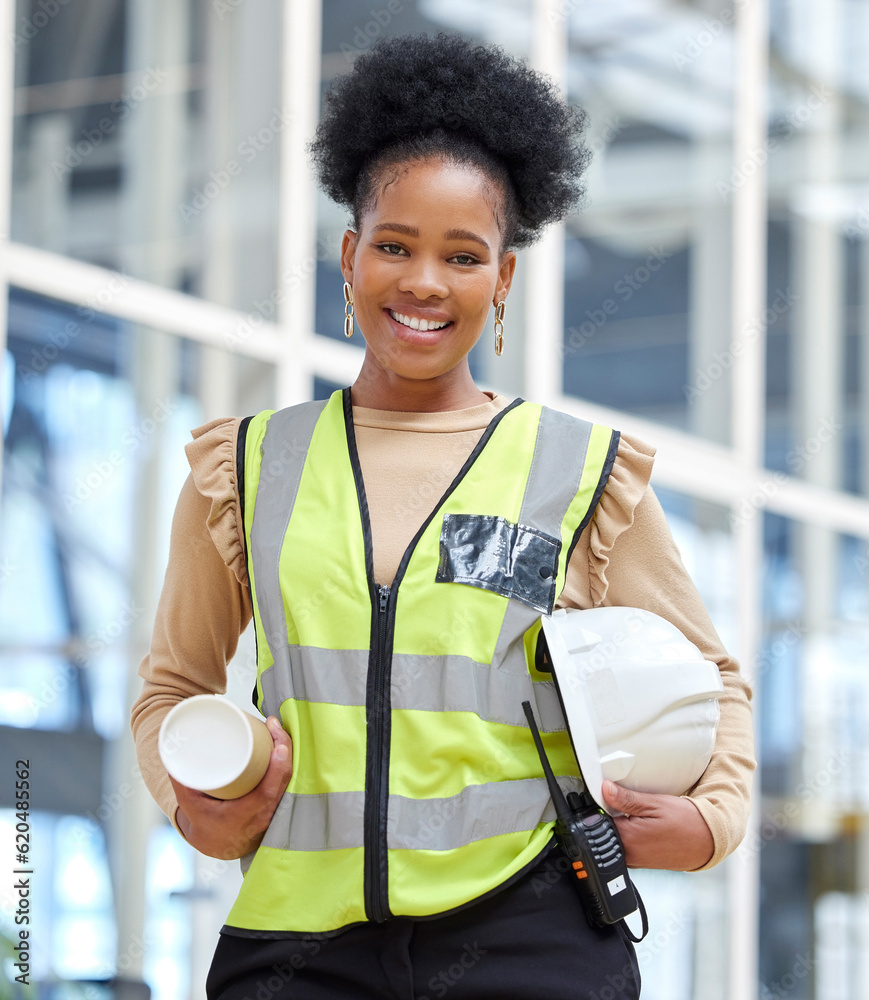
[[416, 786]]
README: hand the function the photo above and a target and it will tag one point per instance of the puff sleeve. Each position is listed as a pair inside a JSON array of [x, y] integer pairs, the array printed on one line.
[[211, 455], [204, 605]]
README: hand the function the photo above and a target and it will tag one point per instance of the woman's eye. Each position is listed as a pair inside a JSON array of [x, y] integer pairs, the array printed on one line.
[[396, 250]]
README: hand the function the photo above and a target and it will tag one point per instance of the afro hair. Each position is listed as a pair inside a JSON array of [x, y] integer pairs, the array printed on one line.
[[418, 96]]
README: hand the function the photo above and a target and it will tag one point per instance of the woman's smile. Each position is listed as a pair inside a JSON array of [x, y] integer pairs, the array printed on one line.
[[415, 328]]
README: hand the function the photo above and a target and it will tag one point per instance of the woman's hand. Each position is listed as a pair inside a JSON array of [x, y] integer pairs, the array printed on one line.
[[231, 828], [660, 831]]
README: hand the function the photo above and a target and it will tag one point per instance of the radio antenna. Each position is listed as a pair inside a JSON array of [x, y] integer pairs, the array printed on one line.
[[562, 809]]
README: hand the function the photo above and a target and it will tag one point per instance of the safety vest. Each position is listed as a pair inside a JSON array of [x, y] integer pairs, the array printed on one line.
[[416, 785]]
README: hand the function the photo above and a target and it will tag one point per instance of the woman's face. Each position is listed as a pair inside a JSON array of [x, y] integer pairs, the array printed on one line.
[[425, 269]]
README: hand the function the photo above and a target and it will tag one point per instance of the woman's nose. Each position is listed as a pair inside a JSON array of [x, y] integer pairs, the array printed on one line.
[[423, 279]]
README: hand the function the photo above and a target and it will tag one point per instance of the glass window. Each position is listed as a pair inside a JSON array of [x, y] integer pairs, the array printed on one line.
[[814, 699], [647, 261], [817, 348], [81, 437], [96, 422], [151, 145]]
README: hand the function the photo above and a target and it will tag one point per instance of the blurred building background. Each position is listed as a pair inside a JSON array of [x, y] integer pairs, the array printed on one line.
[[168, 260]]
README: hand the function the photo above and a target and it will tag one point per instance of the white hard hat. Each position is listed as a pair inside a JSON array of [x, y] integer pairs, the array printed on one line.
[[640, 700]]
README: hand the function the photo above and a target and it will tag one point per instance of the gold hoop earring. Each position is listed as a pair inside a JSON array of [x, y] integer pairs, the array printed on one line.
[[499, 328], [348, 309]]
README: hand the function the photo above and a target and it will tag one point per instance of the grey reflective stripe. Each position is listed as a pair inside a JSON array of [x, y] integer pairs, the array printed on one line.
[[459, 684], [548, 494], [334, 676], [425, 683], [328, 822], [477, 812], [284, 449], [510, 655], [549, 714], [334, 821], [510, 649], [561, 439]]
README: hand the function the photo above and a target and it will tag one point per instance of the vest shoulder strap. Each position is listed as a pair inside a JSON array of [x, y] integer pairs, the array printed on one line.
[[241, 440], [240, 456], [239, 469], [572, 462], [612, 450]]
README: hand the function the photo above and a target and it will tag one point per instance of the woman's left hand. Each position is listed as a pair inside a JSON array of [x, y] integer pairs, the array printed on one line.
[[660, 831]]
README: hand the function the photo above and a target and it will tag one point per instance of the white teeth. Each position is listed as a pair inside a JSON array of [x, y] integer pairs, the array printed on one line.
[[423, 325]]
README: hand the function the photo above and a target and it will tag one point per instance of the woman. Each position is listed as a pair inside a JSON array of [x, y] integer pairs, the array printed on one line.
[[411, 854]]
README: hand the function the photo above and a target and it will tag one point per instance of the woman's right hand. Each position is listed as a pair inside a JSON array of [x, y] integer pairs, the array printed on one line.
[[231, 828]]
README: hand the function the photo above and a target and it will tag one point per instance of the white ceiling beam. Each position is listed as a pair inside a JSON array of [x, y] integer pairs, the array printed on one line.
[[712, 472]]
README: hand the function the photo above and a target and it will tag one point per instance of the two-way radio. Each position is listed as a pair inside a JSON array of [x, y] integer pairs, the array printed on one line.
[[591, 841]]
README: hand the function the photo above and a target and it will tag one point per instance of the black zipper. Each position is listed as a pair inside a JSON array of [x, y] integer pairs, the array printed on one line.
[[376, 873], [378, 703]]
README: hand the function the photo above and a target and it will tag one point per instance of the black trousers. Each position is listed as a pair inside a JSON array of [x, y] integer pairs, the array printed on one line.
[[529, 941]]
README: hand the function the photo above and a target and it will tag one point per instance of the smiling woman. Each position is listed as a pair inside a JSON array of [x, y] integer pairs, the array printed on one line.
[[404, 813], [420, 134]]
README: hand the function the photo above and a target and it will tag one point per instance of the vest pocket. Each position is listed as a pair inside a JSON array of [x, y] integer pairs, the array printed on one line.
[[514, 560]]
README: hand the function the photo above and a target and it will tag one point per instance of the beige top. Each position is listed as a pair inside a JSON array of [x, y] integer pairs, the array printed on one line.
[[625, 557]]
